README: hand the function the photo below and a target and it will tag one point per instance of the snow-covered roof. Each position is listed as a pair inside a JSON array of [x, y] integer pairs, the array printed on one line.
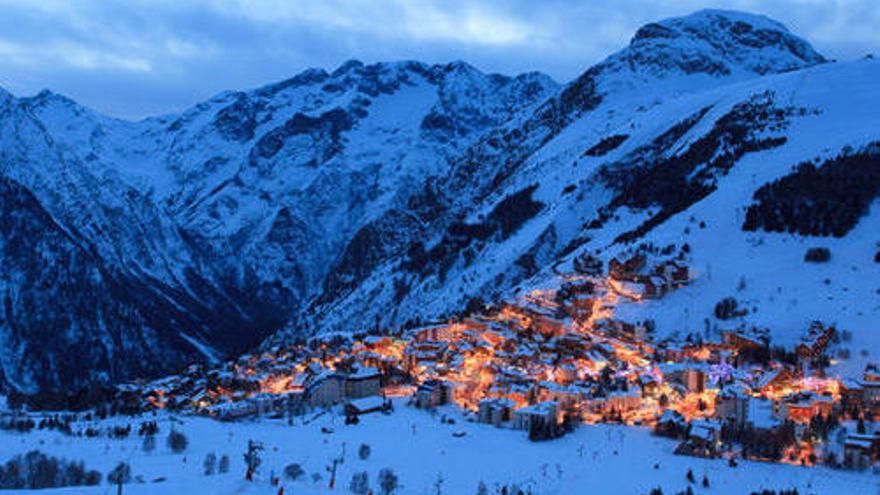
[[367, 403]]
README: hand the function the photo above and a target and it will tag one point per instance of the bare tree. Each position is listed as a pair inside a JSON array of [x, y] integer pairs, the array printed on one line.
[[252, 459]]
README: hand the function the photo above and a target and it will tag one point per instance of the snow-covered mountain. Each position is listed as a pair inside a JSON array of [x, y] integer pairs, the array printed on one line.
[[669, 141], [205, 231], [378, 195]]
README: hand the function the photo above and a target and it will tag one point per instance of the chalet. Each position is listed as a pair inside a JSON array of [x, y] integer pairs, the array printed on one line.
[[630, 289], [671, 424], [649, 385], [743, 339], [670, 352], [622, 268], [433, 333], [870, 392], [539, 415], [861, 450], [674, 272], [801, 408], [773, 381], [578, 287], [851, 396], [587, 264], [566, 374], [424, 354], [366, 405], [377, 341], [815, 341], [582, 302], [694, 380], [655, 287], [703, 440], [495, 411], [547, 324]]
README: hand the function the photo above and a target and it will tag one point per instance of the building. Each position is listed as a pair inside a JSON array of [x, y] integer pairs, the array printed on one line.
[[852, 396], [495, 411], [674, 271], [815, 341], [703, 440], [774, 382], [565, 395], [366, 405], [861, 450], [671, 424], [294, 402], [691, 376], [694, 380], [761, 416], [536, 416], [433, 333], [621, 268], [326, 390], [230, 411], [624, 401], [732, 404], [364, 382], [423, 353], [432, 393], [742, 339], [870, 393], [804, 407]]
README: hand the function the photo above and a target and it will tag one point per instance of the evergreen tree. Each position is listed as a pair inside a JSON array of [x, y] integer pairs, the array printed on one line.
[[210, 464]]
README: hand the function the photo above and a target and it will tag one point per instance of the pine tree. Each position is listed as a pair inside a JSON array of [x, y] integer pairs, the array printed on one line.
[[210, 464]]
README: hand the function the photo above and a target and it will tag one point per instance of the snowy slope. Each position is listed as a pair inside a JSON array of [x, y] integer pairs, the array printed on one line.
[[223, 220], [420, 449], [382, 195], [557, 188]]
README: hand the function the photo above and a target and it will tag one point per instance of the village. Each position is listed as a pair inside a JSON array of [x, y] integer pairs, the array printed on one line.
[[557, 359]]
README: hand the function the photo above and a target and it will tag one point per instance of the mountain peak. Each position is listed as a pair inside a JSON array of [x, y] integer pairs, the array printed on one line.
[[720, 43], [5, 96], [47, 97]]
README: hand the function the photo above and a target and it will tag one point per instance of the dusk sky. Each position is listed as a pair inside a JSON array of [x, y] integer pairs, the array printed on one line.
[[135, 58]]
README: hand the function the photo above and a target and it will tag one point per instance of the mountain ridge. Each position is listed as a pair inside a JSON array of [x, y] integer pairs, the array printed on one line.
[[381, 195]]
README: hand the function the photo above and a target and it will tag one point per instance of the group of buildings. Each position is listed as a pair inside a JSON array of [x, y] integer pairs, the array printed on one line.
[[557, 357]]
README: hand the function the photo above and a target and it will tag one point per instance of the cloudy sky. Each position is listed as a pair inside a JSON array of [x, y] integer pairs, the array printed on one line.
[[133, 58]]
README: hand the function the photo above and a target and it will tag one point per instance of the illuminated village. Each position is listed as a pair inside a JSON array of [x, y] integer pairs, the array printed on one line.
[[558, 358]]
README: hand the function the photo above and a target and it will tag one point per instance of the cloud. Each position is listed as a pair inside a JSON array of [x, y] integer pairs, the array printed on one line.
[[138, 57], [69, 54]]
